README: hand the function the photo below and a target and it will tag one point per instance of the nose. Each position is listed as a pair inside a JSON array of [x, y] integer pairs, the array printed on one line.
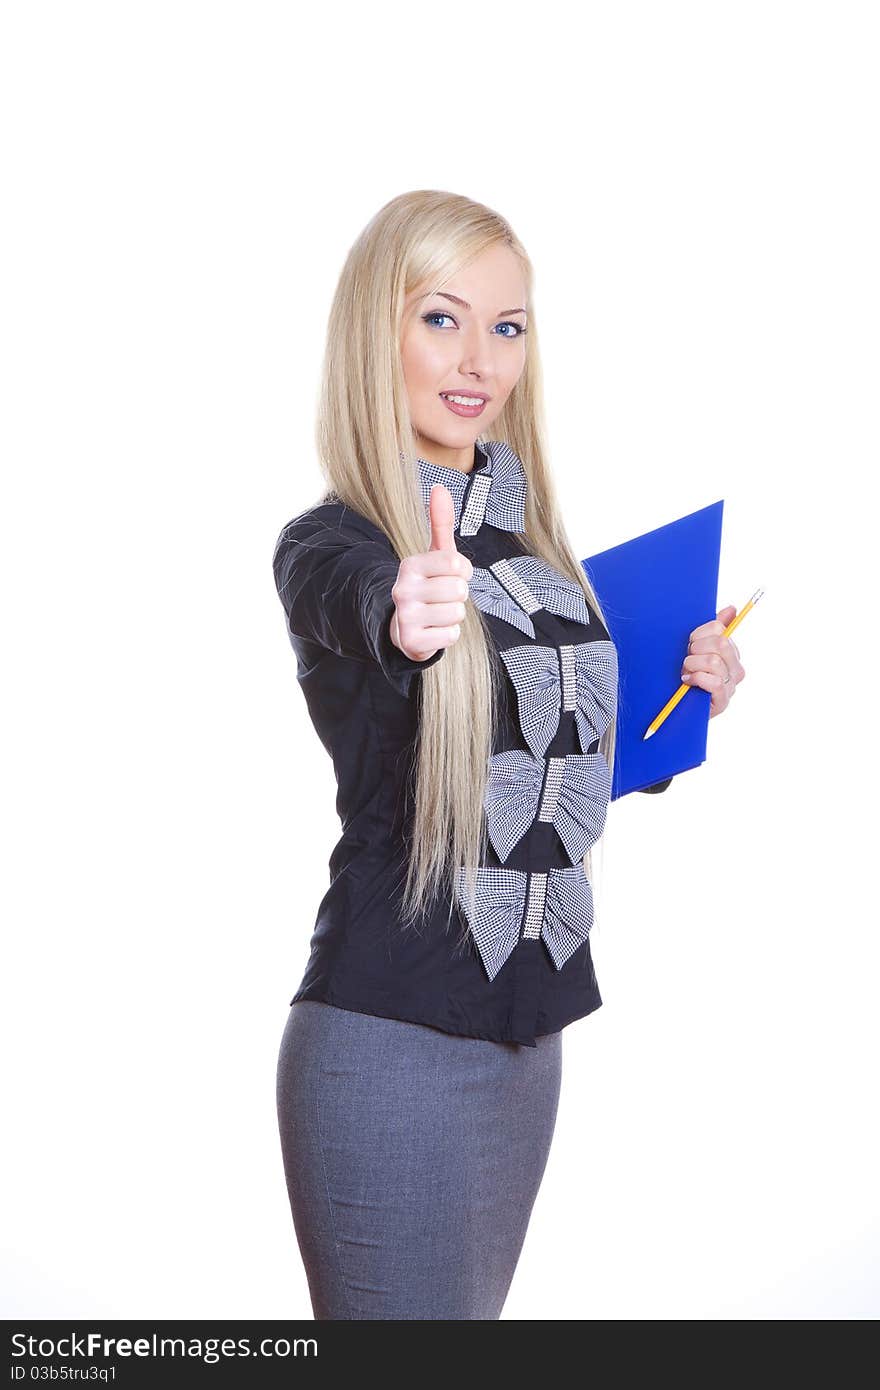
[[476, 359]]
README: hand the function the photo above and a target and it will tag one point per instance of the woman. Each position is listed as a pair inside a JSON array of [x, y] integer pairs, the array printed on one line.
[[457, 667]]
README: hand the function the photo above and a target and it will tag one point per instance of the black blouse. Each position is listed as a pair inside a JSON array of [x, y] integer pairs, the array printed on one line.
[[526, 969]]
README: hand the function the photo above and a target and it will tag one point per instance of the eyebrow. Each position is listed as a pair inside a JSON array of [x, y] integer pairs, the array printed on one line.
[[441, 294]]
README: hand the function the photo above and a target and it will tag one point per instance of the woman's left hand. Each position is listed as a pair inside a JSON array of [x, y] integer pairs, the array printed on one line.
[[713, 661]]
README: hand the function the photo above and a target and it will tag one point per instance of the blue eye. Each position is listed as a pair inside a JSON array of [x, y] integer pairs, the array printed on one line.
[[508, 323]]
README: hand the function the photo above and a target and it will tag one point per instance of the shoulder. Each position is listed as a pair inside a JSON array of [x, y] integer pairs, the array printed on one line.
[[328, 525]]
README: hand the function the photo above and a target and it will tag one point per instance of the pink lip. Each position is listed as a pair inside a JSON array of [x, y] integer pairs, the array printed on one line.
[[466, 411]]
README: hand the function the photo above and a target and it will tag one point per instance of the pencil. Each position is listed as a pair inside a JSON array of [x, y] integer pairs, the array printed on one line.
[[684, 687]]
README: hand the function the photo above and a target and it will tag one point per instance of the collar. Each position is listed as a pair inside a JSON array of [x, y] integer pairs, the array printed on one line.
[[494, 491]]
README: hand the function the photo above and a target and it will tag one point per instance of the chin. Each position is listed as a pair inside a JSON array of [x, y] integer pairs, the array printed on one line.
[[465, 428]]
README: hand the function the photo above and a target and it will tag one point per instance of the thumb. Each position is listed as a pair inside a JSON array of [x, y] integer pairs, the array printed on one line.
[[726, 615], [442, 519]]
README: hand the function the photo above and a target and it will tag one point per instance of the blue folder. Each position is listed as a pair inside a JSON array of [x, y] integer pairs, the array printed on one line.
[[654, 590]]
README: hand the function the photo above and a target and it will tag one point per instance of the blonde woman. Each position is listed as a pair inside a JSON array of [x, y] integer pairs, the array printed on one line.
[[457, 668]]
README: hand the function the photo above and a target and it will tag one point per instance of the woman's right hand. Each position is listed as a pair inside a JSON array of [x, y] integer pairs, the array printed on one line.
[[431, 589]]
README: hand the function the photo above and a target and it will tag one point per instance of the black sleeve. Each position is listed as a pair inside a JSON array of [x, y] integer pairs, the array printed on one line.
[[657, 787], [334, 572]]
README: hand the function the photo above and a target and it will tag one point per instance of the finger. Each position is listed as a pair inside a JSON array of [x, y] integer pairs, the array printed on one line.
[[716, 627], [706, 680], [705, 663], [444, 589], [442, 614], [427, 638], [716, 642], [442, 519]]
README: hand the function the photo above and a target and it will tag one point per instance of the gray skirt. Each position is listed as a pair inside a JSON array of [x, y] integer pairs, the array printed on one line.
[[412, 1159]]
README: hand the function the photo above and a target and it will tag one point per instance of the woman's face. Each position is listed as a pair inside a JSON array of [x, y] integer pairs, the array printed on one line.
[[467, 340]]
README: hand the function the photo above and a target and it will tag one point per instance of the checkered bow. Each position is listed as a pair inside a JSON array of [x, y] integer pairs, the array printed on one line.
[[578, 676], [514, 588], [559, 911], [495, 490], [575, 800]]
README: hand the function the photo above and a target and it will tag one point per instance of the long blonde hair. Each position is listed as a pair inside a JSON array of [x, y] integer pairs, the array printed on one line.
[[368, 456]]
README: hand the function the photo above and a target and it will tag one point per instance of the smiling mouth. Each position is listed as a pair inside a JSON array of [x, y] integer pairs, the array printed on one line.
[[466, 407]]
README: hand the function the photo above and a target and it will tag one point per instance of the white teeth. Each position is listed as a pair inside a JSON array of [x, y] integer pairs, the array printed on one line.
[[462, 400]]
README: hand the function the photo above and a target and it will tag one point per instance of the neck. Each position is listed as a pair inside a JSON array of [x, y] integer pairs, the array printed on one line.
[[462, 459]]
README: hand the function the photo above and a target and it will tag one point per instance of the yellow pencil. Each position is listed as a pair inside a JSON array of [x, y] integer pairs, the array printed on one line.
[[684, 688]]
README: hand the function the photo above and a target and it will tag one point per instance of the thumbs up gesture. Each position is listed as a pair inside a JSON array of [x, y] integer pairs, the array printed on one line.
[[431, 589]]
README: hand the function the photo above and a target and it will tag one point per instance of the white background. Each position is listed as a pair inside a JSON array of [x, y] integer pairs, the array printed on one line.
[[697, 187]]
